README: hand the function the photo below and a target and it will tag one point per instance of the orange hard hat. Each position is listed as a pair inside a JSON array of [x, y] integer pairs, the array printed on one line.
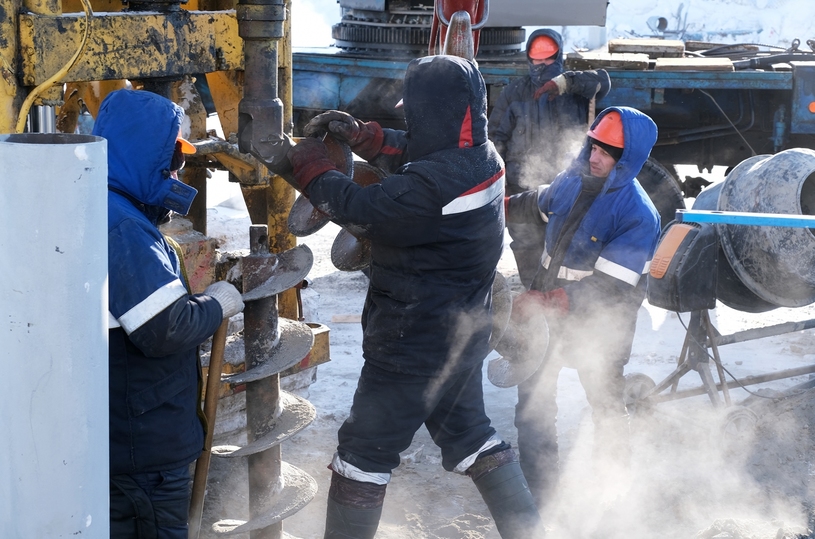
[[542, 47], [609, 130], [186, 145]]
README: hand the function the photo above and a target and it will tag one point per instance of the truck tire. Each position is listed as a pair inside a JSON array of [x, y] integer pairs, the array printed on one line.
[[662, 188]]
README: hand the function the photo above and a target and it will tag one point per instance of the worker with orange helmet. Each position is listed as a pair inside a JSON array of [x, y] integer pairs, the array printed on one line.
[[601, 233], [155, 324], [537, 122]]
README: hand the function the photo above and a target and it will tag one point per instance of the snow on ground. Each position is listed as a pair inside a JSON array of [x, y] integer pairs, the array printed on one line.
[[686, 478]]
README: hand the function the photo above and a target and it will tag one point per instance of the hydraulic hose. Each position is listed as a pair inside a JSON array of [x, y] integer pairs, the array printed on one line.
[[764, 61], [59, 74]]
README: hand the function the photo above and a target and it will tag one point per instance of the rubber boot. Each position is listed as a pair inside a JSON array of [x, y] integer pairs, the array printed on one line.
[[353, 509], [501, 483]]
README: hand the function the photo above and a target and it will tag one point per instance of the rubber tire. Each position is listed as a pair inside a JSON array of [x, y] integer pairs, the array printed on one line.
[[663, 190], [637, 385], [736, 429]]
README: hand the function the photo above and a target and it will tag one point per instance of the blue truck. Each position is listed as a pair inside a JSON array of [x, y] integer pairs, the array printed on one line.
[[759, 100]]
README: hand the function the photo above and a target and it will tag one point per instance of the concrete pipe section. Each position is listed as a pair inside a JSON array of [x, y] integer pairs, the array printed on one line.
[[54, 346]]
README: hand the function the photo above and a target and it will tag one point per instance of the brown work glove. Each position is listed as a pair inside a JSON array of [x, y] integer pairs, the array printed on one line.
[[309, 159], [555, 87], [364, 138]]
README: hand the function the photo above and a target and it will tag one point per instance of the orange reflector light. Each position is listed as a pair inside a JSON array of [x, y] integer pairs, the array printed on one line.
[[812, 107], [667, 249]]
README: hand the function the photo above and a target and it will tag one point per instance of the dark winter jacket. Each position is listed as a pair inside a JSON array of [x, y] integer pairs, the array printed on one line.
[[537, 137], [155, 325], [436, 225], [603, 270]]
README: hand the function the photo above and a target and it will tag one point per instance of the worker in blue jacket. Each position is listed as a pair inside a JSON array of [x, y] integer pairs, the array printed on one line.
[[155, 324], [601, 232], [538, 121], [436, 229]]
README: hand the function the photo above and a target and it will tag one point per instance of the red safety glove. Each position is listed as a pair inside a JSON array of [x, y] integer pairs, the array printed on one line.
[[556, 300], [309, 159], [555, 87], [533, 302], [526, 304], [364, 138]]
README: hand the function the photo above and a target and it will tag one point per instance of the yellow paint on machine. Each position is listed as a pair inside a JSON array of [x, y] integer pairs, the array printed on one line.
[[130, 45]]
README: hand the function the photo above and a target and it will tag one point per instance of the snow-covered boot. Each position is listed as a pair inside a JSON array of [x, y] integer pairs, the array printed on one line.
[[501, 483], [354, 508]]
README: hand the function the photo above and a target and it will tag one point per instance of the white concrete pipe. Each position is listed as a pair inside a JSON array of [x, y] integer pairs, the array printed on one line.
[[54, 339]]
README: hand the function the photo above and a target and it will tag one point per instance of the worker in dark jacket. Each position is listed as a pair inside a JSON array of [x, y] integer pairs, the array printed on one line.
[[155, 324], [539, 121], [601, 233], [436, 227]]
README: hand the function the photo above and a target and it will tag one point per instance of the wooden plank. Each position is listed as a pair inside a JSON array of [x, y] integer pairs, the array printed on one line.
[[693, 64], [346, 319], [596, 60], [654, 48]]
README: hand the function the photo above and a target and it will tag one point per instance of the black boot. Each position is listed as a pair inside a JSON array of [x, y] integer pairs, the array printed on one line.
[[354, 508], [501, 483]]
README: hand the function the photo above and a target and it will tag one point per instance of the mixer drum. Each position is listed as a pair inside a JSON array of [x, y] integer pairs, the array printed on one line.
[[765, 267]]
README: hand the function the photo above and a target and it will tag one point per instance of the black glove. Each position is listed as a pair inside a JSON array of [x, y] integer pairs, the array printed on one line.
[[309, 159], [364, 138]]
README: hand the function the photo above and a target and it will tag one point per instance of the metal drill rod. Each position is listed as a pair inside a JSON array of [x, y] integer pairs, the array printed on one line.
[[262, 396]]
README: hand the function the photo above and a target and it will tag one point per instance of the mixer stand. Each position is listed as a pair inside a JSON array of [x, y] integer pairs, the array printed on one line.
[[700, 336]]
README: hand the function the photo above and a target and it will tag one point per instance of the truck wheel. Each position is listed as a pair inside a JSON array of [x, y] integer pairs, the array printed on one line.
[[662, 188]]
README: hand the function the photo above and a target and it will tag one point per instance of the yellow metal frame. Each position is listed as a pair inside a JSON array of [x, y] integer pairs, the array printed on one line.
[[41, 36], [130, 45]]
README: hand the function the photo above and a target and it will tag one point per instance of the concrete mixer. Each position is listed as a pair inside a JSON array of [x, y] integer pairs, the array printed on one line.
[[747, 242]]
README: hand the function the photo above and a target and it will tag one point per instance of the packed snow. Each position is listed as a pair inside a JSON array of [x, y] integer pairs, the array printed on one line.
[[696, 473]]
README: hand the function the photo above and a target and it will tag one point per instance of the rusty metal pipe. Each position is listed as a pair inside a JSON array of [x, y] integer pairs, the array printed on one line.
[[260, 112]]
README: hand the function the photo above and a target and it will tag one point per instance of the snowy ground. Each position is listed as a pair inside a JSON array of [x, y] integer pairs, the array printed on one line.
[[686, 478]]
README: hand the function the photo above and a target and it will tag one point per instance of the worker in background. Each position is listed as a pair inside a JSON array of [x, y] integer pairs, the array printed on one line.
[[539, 121], [155, 324], [601, 233], [436, 227]]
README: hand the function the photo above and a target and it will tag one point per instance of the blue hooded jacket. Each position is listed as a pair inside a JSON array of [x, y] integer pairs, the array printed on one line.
[[155, 324], [436, 225], [535, 137], [605, 263]]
